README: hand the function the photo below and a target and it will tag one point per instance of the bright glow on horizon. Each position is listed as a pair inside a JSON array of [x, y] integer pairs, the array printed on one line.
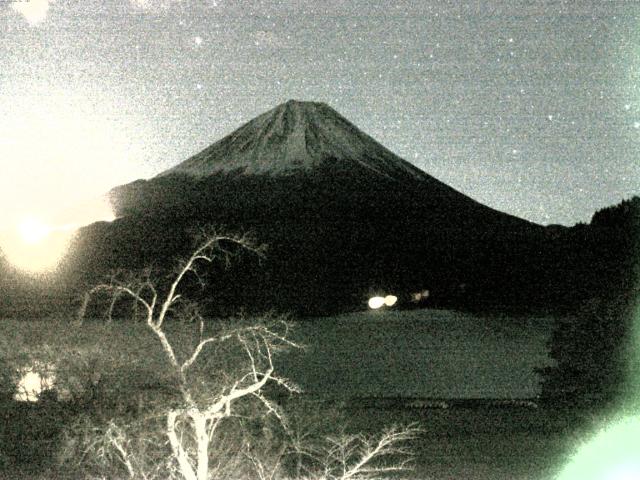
[[33, 230], [36, 246], [33, 248]]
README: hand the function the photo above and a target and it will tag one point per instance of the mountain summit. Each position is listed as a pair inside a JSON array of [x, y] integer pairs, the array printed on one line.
[[297, 136]]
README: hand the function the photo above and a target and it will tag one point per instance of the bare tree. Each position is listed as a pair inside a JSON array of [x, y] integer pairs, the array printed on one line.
[[350, 457], [346, 456], [190, 426]]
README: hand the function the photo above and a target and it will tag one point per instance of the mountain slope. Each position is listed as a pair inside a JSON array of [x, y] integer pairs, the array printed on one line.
[[309, 147], [297, 136]]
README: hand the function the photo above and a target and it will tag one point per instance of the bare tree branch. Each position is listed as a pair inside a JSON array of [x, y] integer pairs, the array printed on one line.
[[194, 356], [259, 343], [354, 456]]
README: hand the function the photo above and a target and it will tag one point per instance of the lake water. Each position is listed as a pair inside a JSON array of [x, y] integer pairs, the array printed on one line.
[[421, 353]]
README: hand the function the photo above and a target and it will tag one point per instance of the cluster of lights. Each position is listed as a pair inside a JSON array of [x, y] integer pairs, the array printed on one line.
[[379, 302], [419, 296]]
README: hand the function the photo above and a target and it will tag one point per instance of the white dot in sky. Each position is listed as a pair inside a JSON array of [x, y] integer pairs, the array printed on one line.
[[636, 124], [627, 107], [511, 40], [550, 117], [514, 151], [34, 11], [199, 86], [197, 40]]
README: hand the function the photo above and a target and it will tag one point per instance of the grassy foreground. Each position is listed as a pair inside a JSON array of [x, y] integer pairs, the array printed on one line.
[[482, 442]]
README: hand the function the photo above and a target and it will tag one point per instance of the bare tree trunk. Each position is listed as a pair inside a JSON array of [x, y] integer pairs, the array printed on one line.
[[178, 451], [202, 439]]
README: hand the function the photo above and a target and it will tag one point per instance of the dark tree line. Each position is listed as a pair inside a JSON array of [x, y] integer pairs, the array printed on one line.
[[596, 346]]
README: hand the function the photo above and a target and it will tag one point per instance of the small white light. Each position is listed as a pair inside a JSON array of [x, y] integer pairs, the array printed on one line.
[[376, 302], [390, 300]]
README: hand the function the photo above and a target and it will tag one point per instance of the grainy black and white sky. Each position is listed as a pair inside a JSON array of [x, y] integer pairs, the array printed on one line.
[[531, 107]]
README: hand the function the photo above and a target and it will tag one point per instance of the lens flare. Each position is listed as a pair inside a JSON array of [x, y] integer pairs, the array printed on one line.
[[36, 246], [613, 454]]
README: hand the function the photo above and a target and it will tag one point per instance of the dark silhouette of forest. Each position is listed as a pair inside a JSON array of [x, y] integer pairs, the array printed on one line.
[[334, 238]]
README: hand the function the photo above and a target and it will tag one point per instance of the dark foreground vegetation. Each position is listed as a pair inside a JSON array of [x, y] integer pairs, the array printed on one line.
[[116, 410], [463, 442]]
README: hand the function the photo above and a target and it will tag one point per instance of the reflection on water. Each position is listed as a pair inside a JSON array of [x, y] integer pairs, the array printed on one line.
[[419, 353]]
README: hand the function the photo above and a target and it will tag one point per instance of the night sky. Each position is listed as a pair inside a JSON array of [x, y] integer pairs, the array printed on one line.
[[530, 107]]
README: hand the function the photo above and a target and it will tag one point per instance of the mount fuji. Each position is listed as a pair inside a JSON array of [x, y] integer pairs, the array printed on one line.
[[343, 218]]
